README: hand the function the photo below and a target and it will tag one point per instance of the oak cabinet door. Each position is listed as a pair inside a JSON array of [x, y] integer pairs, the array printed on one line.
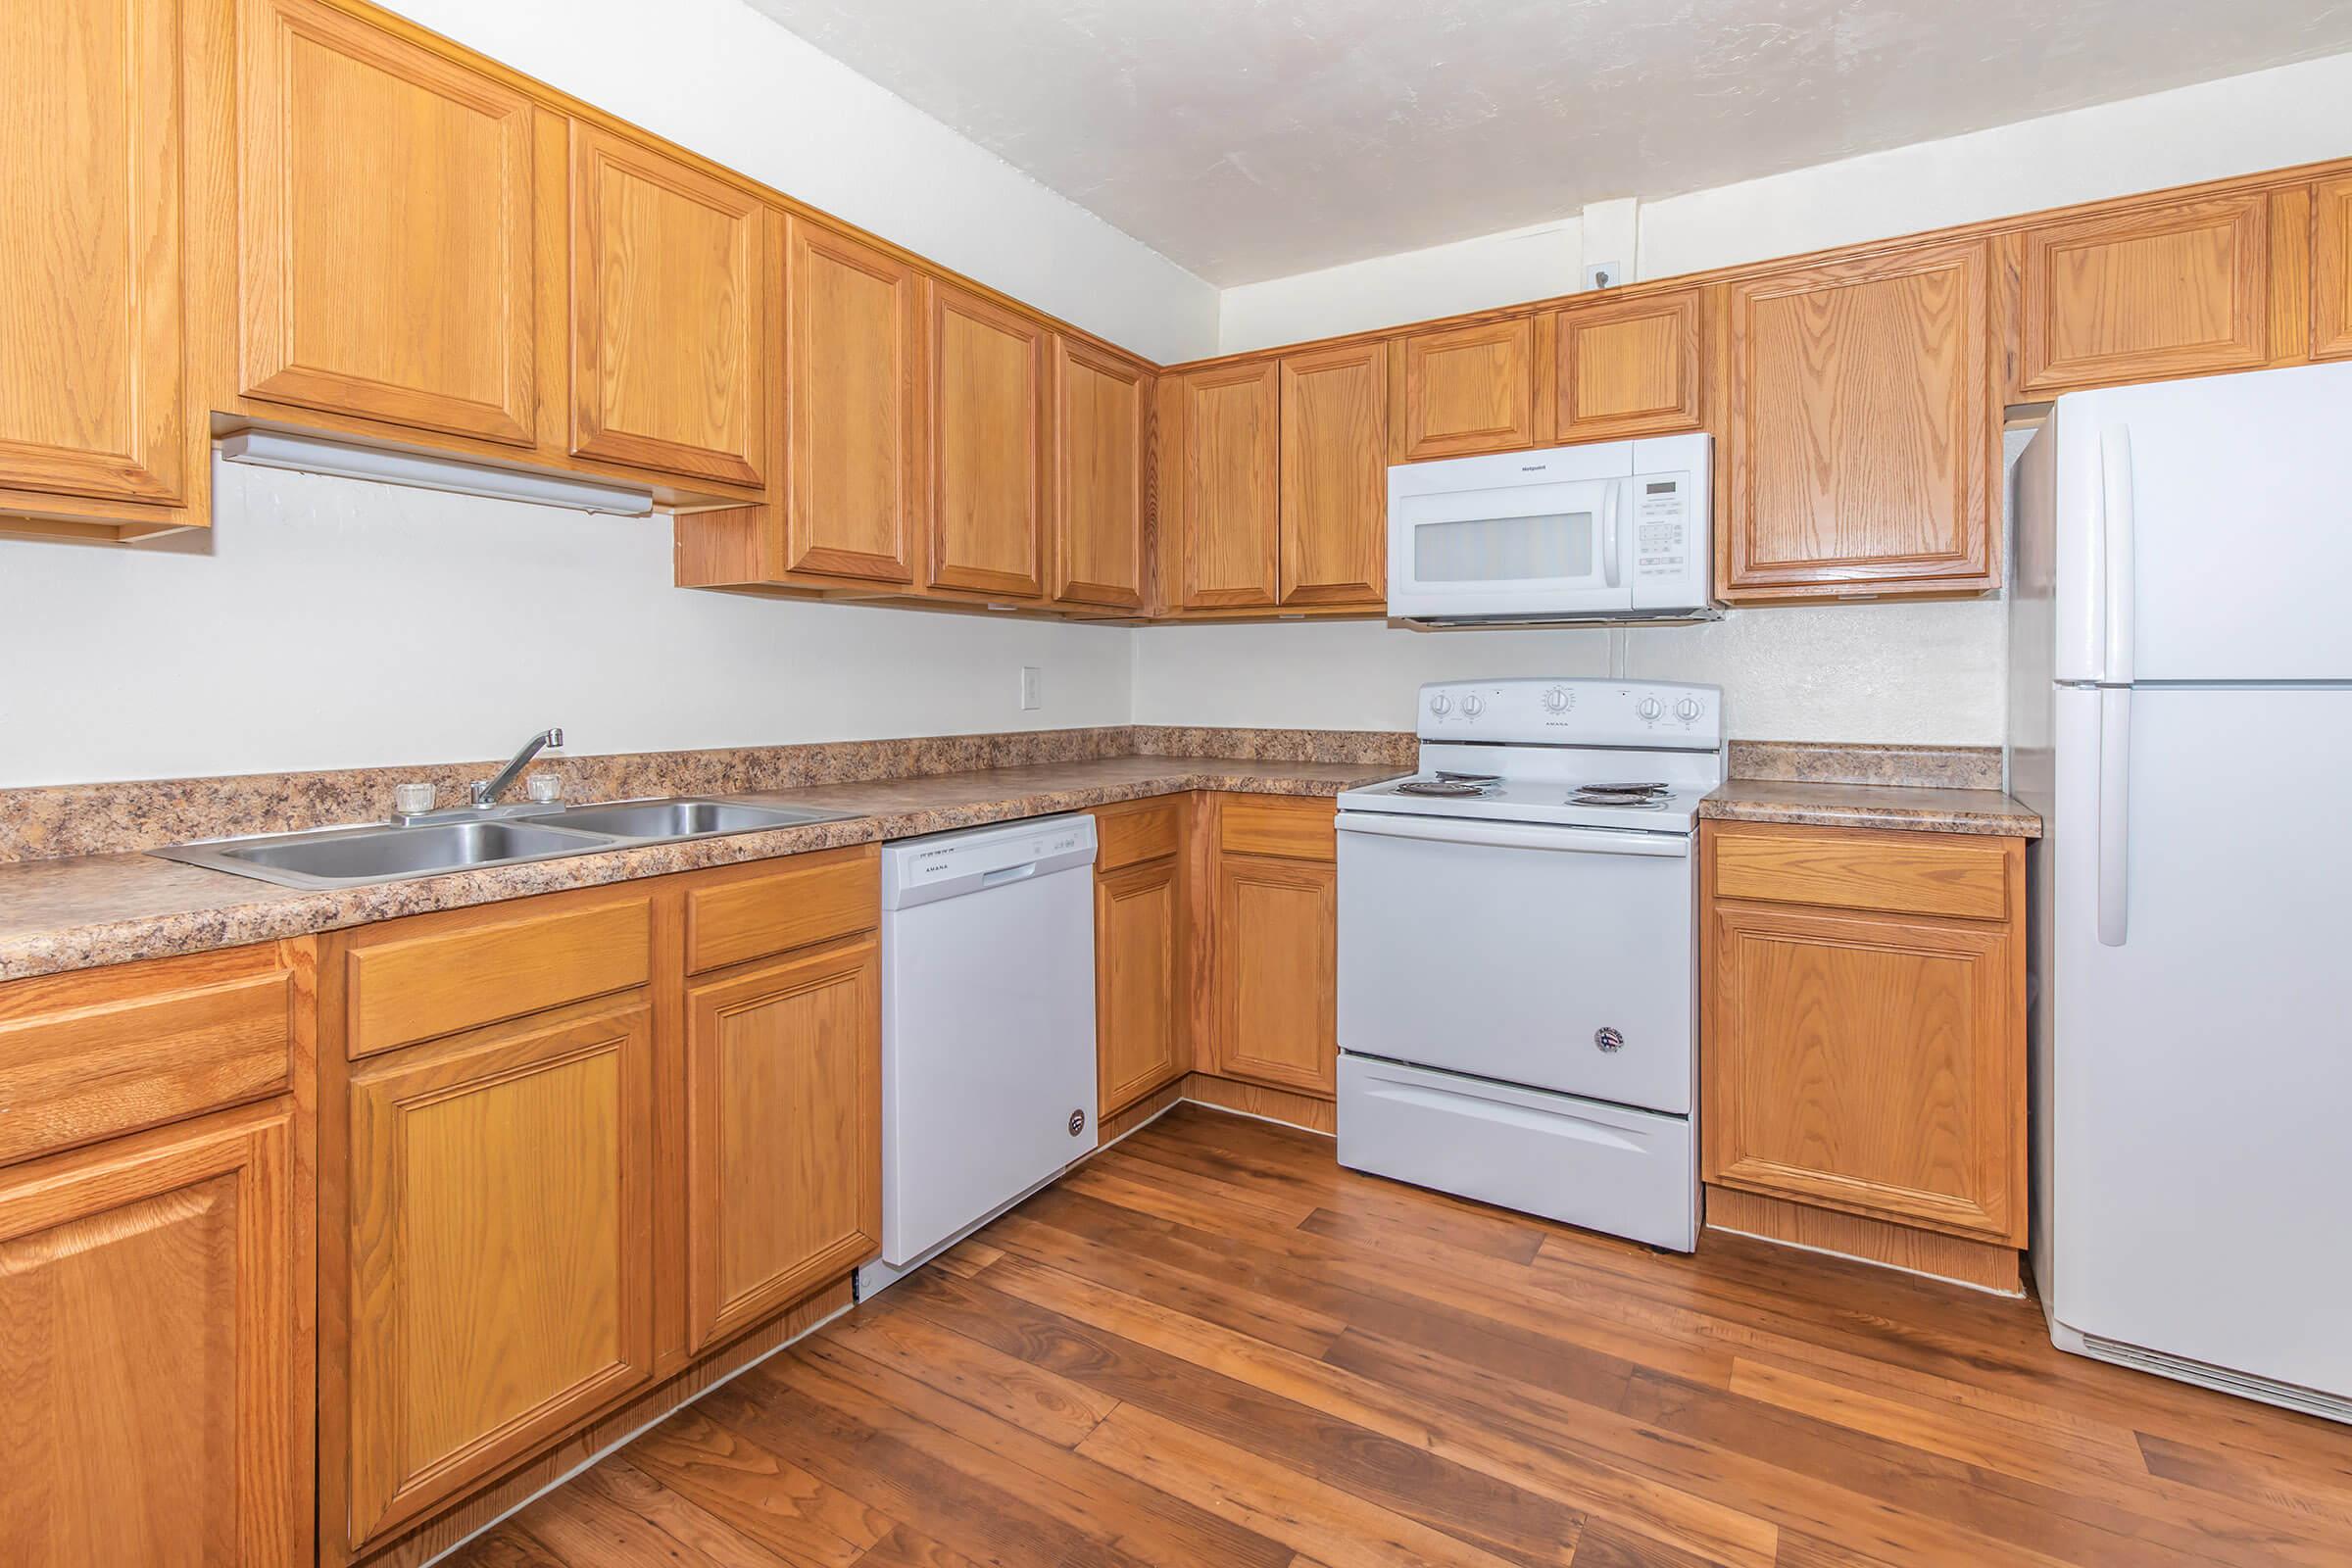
[[1861, 443], [1101, 407], [1137, 984], [1335, 477], [850, 354], [500, 1203], [388, 211], [91, 395], [1224, 489], [669, 342], [1277, 958], [1869, 1064], [1629, 367], [149, 1411], [2177, 289], [988, 446], [784, 1134], [1463, 390], [2332, 268]]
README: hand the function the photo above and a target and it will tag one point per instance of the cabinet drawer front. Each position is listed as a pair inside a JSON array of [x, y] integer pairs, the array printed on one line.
[[1294, 828], [735, 922], [91, 1054], [415, 989], [1140, 831], [1907, 873]]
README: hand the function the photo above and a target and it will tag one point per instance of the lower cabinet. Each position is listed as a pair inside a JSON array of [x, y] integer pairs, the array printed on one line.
[[1276, 943], [1139, 921]]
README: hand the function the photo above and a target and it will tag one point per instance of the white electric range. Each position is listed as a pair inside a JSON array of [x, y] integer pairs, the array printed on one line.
[[1518, 952]]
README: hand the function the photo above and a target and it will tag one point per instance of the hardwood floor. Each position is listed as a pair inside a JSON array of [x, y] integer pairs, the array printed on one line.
[[1213, 1345]]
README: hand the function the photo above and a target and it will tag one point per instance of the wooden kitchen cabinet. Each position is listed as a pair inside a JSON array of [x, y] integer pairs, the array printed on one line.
[[988, 368], [1100, 442], [1335, 477], [387, 238], [1222, 485], [2332, 268], [2172, 288], [783, 1139], [1864, 1007], [1460, 390], [671, 272], [1860, 455], [93, 413], [1622, 368], [1275, 949], [1142, 960]]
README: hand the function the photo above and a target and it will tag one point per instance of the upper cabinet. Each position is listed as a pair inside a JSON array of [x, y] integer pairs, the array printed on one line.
[[2172, 288], [988, 371], [1462, 390], [1222, 487], [2332, 268], [671, 355], [1629, 366], [1859, 457], [1335, 477], [853, 349], [1099, 442], [387, 238]]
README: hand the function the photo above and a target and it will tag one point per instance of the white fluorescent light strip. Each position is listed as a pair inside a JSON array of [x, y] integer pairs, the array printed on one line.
[[270, 449]]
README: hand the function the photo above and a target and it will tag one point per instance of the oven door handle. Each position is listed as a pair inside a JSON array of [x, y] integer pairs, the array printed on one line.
[[1517, 835]]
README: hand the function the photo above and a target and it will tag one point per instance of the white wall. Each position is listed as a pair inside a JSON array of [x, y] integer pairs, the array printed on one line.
[[1522, 264], [342, 624]]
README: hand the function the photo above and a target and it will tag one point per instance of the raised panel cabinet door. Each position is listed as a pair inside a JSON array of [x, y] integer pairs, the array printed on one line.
[[850, 356], [1102, 404], [1226, 492], [1464, 389], [1861, 443], [1629, 367], [1335, 477], [1277, 945], [987, 446], [1138, 918], [784, 1134], [1873, 1064], [148, 1399], [2176, 288], [91, 319], [501, 1244], [2332, 268], [385, 245], [670, 343]]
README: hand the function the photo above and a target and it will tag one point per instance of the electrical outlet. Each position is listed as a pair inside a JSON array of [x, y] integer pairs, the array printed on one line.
[[1602, 275], [1032, 687]]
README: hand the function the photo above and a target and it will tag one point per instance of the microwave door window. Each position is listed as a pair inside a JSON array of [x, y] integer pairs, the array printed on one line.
[[1555, 547]]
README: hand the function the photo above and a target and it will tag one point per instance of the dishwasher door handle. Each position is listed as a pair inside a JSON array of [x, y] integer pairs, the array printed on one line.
[[1009, 874]]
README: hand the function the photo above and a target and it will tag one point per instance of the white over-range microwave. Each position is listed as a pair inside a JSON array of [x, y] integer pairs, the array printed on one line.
[[1609, 530]]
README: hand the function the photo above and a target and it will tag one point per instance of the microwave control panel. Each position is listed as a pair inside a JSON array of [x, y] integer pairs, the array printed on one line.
[[1668, 505], [1661, 525]]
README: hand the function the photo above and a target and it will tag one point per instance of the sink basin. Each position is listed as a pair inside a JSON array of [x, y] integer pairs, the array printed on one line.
[[649, 821], [342, 856]]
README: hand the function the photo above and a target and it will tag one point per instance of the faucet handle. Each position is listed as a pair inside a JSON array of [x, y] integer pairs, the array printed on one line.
[[555, 737]]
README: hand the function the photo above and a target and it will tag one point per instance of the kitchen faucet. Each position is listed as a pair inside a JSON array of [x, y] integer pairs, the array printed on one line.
[[486, 791]]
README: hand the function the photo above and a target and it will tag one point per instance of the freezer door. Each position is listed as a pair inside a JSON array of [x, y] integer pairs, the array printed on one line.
[[2200, 1060], [2197, 531]]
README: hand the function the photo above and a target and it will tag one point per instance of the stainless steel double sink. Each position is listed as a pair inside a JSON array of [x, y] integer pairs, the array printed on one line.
[[351, 857]]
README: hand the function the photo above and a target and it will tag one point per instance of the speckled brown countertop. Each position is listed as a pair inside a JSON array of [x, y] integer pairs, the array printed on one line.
[[81, 912], [1879, 805]]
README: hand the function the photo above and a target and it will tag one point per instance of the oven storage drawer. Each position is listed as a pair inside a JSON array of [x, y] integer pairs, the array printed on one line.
[[1626, 1172]]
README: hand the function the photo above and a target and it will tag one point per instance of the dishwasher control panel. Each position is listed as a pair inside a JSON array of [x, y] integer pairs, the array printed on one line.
[[949, 865]]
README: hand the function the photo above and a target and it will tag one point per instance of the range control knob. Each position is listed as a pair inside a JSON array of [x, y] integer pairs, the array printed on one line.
[[1649, 707], [1557, 699], [1441, 705], [1687, 710], [1473, 706]]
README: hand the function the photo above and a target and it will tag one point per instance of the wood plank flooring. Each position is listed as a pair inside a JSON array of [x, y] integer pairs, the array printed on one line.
[[1213, 1345]]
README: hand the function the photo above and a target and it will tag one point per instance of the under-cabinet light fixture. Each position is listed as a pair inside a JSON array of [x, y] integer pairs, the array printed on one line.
[[274, 448]]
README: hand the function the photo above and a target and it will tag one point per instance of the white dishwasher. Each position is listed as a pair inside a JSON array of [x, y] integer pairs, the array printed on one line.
[[988, 1027]]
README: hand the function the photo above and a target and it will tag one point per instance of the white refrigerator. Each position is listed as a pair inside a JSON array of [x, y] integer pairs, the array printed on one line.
[[2181, 715]]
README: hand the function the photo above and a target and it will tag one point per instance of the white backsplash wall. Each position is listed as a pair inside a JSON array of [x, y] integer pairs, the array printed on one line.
[[341, 625], [1889, 672]]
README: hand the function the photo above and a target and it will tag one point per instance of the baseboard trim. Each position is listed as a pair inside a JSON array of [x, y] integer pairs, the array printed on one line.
[[1955, 1260], [1286, 1108]]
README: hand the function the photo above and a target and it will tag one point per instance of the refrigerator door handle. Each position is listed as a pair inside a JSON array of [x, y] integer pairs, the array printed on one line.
[[2117, 527], [2115, 814]]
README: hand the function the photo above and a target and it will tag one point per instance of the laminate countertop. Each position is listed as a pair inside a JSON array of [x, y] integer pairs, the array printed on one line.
[[1902, 808], [85, 912]]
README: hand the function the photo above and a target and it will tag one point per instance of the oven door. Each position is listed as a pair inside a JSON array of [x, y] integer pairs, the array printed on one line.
[[1559, 548], [1558, 957]]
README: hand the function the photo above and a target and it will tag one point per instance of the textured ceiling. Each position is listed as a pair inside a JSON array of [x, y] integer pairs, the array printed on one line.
[[1255, 138]]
